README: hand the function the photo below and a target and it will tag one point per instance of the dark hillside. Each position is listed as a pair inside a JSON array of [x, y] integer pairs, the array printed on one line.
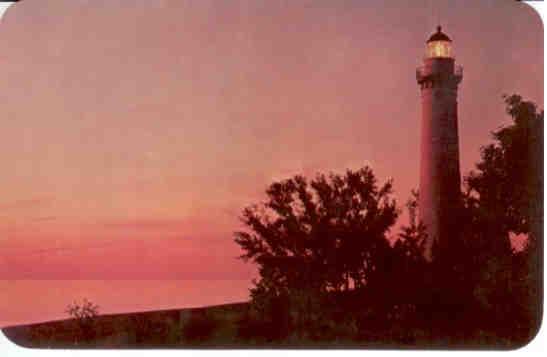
[[154, 329]]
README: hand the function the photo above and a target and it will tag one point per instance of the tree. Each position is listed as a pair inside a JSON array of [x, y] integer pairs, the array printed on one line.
[[84, 314], [410, 267], [506, 187], [504, 196], [411, 240], [328, 234], [311, 238]]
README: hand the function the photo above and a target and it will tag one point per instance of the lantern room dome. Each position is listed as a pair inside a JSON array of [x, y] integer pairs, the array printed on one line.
[[439, 36]]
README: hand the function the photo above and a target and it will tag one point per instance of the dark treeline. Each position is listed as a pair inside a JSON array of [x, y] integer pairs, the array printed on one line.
[[328, 271]]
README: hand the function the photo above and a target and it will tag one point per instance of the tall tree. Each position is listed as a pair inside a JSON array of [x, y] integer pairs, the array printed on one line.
[[507, 185], [328, 233], [313, 237], [504, 197]]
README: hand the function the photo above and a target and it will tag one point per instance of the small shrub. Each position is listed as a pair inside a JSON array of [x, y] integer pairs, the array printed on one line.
[[84, 314]]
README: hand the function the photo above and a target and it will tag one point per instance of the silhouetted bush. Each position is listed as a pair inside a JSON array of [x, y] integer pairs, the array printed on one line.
[[84, 315]]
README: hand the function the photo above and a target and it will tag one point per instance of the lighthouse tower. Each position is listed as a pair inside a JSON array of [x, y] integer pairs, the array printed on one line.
[[439, 196]]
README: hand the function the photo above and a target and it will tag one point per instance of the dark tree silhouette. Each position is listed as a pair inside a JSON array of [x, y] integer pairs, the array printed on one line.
[[506, 187], [310, 238], [504, 196], [328, 234], [84, 314], [409, 265]]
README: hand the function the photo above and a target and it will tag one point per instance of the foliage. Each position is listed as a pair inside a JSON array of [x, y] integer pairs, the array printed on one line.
[[327, 234], [84, 314], [504, 196], [322, 243], [506, 187], [409, 267]]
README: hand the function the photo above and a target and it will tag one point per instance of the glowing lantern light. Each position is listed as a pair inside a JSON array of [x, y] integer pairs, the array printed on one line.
[[439, 45]]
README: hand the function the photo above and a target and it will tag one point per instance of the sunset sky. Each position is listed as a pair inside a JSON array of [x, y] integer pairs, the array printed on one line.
[[134, 132]]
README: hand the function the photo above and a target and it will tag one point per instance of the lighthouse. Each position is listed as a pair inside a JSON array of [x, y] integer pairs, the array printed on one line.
[[439, 195]]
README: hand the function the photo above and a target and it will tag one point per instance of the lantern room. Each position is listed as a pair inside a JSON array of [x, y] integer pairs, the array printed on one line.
[[439, 45]]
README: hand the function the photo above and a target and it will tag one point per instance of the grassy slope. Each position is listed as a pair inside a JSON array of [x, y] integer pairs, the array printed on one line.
[[159, 329], [169, 329]]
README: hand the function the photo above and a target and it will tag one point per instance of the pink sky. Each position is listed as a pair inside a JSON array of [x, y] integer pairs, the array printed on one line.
[[134, 132]]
